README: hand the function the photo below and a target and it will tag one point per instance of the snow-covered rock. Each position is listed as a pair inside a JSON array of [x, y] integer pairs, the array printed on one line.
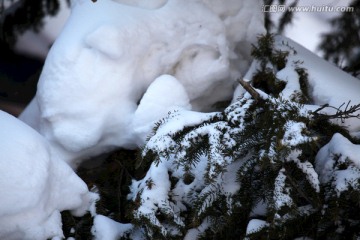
[[110, 52], [34, 184]]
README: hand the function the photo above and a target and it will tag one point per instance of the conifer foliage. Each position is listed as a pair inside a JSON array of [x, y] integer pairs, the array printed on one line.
[[22, 15], [254, 170], [341, 45]]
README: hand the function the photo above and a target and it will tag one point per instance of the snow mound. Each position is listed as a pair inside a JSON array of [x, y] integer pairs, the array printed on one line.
[[34, 185], [338, 163], [110, 52], [158, 100], [106, 228], [328, 83]]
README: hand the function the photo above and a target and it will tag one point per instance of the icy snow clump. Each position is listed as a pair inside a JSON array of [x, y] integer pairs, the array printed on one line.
[[110, 52]]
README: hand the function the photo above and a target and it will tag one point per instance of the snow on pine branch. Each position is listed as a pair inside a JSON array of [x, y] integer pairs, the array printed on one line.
[[263, 145]]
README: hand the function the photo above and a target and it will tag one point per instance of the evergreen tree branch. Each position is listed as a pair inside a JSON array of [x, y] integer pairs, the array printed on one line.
[[296, 186]]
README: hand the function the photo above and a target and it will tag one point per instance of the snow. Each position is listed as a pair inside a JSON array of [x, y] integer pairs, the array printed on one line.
[[292, 135], [106, 228], [282, 196], [90, 87], [255, 225], [164, 86], [35, 185], [260, 209], [325, 86], [157, 180], [307, 168], [153, 190], [194, 233], [330, 158]]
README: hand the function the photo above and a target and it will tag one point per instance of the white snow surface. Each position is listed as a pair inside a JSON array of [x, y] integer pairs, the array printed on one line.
[[337, 152], [328, 83], [255, 225], [162, 96], [195, 233], [281, 192], [110, 52], [105, 228], [35, 185], [292, 135]]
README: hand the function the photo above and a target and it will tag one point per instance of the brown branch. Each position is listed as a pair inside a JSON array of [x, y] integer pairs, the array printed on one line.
[[250, 89], [348, 112]]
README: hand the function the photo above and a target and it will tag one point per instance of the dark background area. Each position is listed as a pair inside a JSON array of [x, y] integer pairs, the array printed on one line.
[[18, 75], [19, 72]]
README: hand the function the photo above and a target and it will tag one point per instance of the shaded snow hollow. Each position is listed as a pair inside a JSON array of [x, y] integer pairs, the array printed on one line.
[[90, 92]]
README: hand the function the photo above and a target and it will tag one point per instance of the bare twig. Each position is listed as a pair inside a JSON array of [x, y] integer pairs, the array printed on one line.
[[320, 108], [348, 112]]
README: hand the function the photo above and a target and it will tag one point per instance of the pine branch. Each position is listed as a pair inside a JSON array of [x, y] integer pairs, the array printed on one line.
[[298, 189]]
